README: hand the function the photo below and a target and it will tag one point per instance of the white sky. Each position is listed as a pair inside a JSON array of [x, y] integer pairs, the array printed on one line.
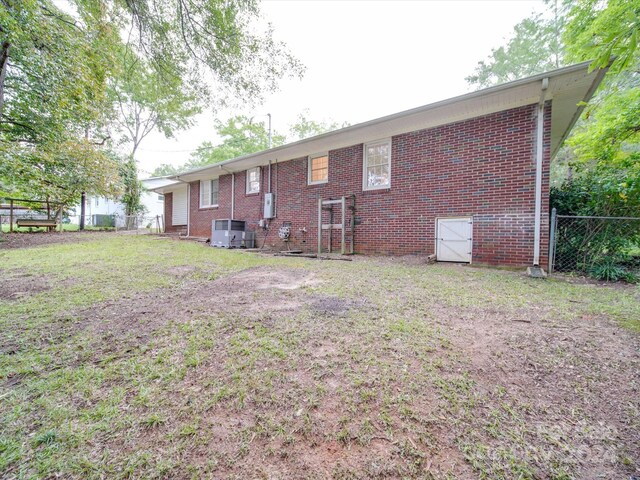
[[364, 59]]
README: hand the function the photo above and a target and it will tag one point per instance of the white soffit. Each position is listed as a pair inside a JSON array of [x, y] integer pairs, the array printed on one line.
[[175, 185], [567, 88]]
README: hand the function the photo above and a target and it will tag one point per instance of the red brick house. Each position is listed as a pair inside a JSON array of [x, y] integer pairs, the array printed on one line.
[[465, 178]]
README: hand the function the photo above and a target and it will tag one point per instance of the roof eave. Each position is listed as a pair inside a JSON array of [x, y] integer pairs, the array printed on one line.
[[227, 165]]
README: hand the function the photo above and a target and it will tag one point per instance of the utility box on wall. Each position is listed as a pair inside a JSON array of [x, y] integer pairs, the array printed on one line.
[[269, 205]]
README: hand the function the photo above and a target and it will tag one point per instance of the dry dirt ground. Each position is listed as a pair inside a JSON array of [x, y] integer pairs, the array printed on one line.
[[149, 358], [34, 239]]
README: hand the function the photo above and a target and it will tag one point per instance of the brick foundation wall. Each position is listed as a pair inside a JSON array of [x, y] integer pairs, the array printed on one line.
[[482, 168]]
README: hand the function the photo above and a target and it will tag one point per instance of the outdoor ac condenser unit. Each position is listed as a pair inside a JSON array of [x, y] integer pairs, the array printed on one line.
[[227, 233]]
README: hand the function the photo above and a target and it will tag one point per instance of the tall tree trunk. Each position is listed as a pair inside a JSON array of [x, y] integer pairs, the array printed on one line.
[[48, 213], [4, 59], [83, 203]]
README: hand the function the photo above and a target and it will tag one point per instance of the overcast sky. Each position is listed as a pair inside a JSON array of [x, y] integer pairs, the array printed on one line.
[[364, 59]]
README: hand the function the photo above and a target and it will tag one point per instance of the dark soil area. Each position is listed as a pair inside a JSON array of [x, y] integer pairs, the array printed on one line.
[[15, 285], [34, 239]]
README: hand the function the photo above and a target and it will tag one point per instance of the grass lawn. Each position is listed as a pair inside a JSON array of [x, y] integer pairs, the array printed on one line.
[[138, 357]]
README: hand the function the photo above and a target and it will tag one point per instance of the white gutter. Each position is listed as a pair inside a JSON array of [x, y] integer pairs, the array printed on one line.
[[539, 162]]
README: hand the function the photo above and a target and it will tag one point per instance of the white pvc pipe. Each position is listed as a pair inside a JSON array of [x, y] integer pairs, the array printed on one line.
[[538, 185], [188, 209]]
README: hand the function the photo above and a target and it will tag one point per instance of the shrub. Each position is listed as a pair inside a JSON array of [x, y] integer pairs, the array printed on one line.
[[611, 270]]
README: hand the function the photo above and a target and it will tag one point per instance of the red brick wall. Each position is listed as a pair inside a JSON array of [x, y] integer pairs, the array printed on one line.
[[482, 167]]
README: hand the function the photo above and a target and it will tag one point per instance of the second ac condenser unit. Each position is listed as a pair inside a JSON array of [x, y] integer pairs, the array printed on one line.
[[227, 233]]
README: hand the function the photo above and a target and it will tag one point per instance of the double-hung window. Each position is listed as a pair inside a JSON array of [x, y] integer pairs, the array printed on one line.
[[253, 180], [318, 169], [377, 165], [209, 193]]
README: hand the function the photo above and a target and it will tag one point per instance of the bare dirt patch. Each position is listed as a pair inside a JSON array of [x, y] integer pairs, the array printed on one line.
[[332, 306], [35, 239], [131, 321], [15, 285], [264, 278], [573, 380]]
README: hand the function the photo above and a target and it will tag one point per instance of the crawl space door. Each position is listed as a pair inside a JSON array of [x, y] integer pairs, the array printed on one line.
[[454, 239]]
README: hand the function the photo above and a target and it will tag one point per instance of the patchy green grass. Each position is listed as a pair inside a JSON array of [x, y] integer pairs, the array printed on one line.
[[130, 356]]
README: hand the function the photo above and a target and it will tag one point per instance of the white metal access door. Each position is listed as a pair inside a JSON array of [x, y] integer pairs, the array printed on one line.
[[454, 239], [179, 207]]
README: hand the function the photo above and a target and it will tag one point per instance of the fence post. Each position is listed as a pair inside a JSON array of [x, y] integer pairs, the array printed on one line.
[[552, 239]]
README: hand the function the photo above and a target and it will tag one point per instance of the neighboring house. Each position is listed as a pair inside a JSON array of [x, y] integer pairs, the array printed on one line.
[[465, 178], [96, 209], [153, 203]]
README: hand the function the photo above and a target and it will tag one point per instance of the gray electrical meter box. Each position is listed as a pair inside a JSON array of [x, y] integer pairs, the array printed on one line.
[[269, 205]]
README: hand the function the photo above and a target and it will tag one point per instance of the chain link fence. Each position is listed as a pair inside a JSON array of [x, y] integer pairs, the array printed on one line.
[[101, 222], [605, 248], [140, 223]]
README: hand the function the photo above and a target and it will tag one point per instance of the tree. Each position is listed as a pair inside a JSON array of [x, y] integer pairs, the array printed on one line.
[[182, 38], [598, 32], [607, 137], [241, 136], [60, 171], [132, 187], [147, 102], [535, 47], [165, 170], [53, 86], [305, 128], [611, 132], [57, 69]]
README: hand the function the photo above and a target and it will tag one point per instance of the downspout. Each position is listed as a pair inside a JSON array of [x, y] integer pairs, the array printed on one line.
[[188, 209], [539, 163]]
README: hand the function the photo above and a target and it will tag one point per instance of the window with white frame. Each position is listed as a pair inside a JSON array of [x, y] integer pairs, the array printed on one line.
[[318, 168], [377, 165], [208, 193], [253, 180]]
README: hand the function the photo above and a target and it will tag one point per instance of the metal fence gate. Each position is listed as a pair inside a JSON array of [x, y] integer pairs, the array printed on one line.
[[607, 248]]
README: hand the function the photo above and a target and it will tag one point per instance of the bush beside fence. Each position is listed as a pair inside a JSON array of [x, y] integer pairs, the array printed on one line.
[[605, 248]]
